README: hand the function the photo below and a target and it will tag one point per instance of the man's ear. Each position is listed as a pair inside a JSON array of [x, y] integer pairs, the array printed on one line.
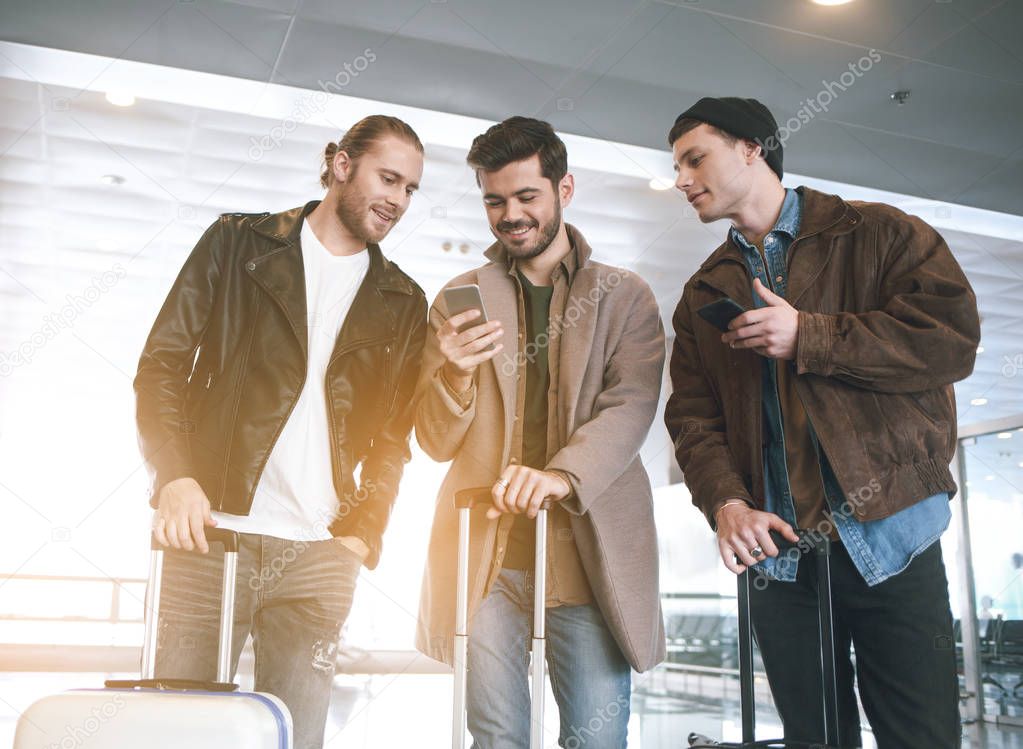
[[342, 165], [751, 151], [566, 190]]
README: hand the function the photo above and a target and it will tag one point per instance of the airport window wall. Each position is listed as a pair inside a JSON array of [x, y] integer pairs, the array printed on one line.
[[101, 204]]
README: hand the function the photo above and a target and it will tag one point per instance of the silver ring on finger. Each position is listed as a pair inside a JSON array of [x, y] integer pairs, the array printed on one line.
[[756, 552], [503, 483]]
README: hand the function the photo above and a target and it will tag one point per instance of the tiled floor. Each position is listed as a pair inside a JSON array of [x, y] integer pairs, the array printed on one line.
[[414, 710]]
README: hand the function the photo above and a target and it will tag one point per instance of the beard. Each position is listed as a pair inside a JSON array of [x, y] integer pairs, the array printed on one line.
[[545, 236], [353, 211]]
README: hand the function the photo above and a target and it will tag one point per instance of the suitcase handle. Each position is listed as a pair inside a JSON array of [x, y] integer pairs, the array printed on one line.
[[469, 498], [229, 539], [183, 685], [819, 547], [480, 495], [465, 500], [213, 536]]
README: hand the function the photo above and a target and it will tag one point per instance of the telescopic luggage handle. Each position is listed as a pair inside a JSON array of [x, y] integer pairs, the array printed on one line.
[[229, 540], [465, 501], [820, 546]]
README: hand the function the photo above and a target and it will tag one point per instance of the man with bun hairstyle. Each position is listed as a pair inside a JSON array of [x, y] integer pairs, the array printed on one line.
[[827, 406], [284, 357]]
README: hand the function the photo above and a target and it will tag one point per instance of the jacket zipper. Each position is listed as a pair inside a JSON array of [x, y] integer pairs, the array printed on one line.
[[388, 377], [335, 449], [234, 413]]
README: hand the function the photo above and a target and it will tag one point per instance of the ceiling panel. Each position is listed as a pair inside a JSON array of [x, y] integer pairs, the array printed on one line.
[[621, 71]]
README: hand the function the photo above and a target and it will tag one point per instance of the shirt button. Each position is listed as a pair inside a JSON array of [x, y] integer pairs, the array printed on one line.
[[769, 240], [250, 266], [777, 279]]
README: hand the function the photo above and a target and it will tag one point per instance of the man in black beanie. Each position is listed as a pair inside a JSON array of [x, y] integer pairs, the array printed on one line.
[[826, 406]]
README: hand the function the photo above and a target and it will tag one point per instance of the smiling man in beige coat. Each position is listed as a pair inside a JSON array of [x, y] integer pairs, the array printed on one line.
[[557, 409]]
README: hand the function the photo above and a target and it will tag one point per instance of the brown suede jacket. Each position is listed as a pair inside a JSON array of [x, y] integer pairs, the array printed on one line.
[[887, 322]]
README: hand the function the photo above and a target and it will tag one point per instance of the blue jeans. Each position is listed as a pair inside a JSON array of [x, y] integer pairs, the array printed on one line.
[[292, 596], [590, 677]]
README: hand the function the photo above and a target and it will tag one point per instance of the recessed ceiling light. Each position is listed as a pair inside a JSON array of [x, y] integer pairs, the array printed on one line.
[[980, 349], [831, 2], [120, 98], [989, 477], [978, 402], [112, 179], [1005, 435], [661, 183]]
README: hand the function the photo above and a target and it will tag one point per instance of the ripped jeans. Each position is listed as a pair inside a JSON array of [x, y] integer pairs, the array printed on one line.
[[292, 596]]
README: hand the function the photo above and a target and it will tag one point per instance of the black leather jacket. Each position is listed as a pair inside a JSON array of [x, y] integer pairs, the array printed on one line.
[[226, 360]]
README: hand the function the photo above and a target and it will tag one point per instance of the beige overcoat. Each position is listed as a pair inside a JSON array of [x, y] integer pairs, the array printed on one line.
[[609, 377]]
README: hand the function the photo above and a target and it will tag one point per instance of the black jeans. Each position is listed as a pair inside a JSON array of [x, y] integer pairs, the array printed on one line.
[[901, 630]]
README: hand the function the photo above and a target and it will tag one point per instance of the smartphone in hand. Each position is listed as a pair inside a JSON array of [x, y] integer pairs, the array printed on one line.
[[721, 312], [459, 299]]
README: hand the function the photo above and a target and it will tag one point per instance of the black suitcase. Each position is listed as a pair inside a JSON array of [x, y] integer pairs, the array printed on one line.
[[820, 548]]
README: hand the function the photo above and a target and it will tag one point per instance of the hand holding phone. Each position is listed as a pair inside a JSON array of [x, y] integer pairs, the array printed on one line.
[[721, 312], [466, 338]]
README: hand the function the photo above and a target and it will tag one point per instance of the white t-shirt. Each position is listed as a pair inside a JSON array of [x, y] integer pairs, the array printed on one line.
[[295, 497]]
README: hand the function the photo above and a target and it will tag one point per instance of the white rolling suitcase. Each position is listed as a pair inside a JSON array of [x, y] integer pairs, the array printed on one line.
[[163, 713], [465, 500]]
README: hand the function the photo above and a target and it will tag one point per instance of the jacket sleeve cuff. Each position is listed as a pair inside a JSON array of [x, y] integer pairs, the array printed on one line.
[[571, 502], [813, 347], [457, 403], [713, 510], [367, 532]]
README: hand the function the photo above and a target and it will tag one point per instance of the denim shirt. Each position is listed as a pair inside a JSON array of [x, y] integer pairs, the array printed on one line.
[[879, 548]]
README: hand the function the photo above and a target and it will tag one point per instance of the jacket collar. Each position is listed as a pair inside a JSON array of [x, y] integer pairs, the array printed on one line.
[[826, 216], [285, 228], [578, 258], [822, 213], [280, 272]]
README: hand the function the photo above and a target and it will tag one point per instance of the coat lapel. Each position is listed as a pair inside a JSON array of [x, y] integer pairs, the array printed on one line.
[[577, 326], [498, 291], [281, 272], [370, 319], [824, 217]]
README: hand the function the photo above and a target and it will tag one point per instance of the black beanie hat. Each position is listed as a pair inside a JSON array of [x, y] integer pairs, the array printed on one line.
[[744, 118]]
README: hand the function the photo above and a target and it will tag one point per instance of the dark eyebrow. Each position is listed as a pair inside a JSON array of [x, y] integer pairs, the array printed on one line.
[[523, 191], [684, 155], [400, 177]]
